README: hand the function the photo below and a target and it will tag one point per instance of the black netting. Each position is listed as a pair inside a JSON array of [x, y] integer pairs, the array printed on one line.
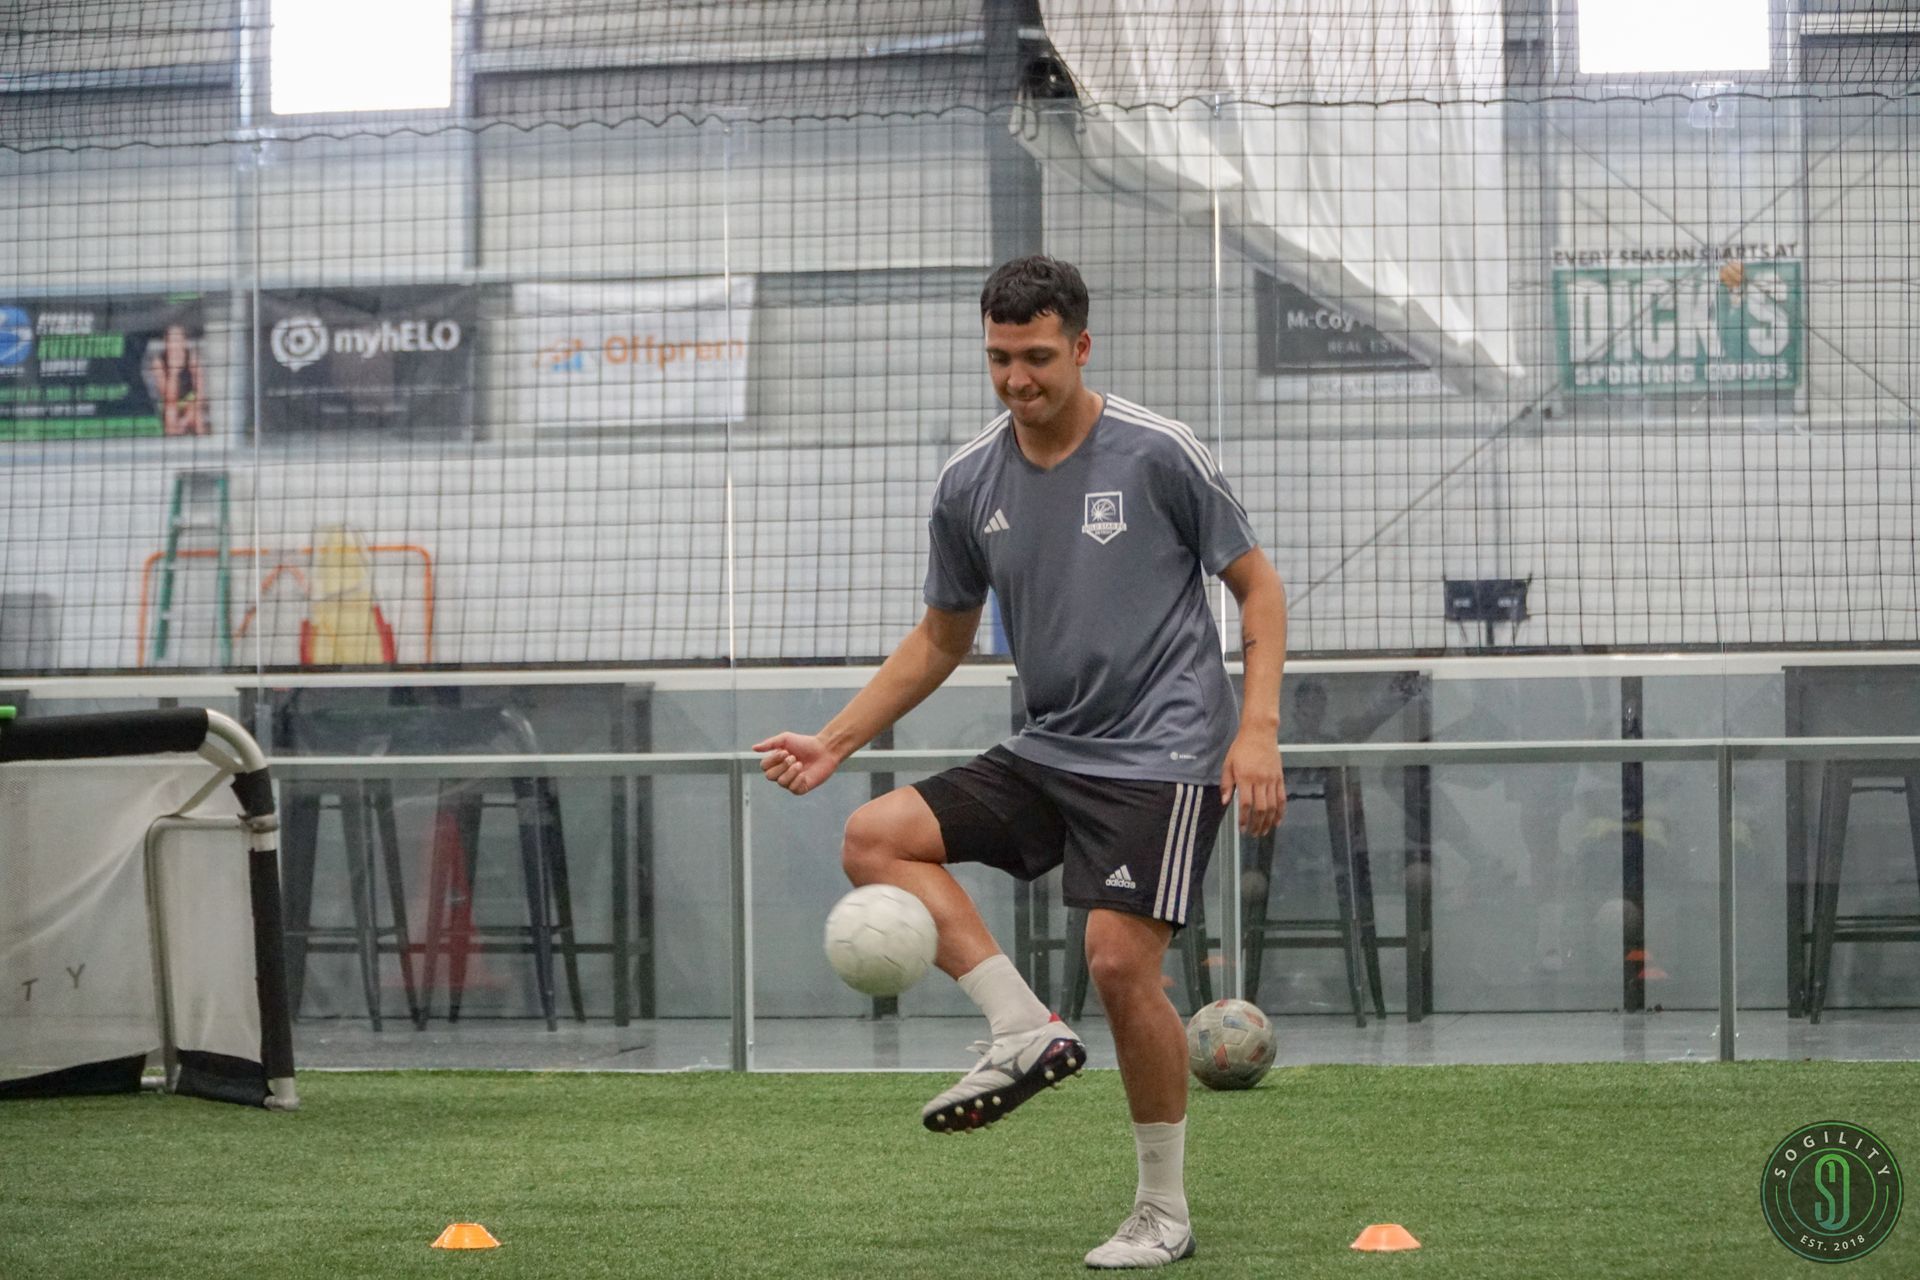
[[647, 344]]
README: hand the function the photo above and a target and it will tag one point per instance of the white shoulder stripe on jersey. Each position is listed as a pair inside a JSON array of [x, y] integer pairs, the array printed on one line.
[[1144, 417], [1196, 452], [979, 442]]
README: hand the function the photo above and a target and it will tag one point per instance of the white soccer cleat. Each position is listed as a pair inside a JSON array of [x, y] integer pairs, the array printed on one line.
[[1148, 1238], [1011, 1070]]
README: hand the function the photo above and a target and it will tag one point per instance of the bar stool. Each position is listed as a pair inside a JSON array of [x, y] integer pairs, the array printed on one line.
[[1352, 927], [372, 846], [367, 817], [452, 932], [1840, 781]]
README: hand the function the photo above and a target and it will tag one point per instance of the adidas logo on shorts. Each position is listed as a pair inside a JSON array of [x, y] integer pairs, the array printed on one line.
[[1121, 879]]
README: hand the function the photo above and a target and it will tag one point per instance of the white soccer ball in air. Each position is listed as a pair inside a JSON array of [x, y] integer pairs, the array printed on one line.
[[881, 939], [1230, 1045]]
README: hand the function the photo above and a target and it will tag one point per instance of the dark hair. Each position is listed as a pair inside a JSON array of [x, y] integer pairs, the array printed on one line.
[[1018, 291]]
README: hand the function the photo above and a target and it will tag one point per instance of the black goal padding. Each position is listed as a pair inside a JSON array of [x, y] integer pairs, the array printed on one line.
[[222, 1078], [127, 733], [115, 1075]]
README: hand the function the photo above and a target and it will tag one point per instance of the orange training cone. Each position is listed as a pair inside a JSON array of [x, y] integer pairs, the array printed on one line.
[[1386, 1237], [466, 1235]]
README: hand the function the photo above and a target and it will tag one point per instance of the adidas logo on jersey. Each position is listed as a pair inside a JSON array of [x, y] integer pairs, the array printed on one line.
[[996, 525], [1121, 879]]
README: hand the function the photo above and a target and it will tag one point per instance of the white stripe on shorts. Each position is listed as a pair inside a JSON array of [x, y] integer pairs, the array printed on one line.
[[1176, 859], [1190, 839]]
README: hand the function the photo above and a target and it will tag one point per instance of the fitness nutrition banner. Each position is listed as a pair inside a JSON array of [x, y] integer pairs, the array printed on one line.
[[393, 361], [98, 368], [661, 353]]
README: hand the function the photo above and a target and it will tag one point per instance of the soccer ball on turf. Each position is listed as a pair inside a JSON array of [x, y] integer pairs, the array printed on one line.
[[880, 939], [1229, 1045]]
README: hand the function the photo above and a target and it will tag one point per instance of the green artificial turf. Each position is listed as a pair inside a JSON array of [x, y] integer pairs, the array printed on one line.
[[1560, 1171]]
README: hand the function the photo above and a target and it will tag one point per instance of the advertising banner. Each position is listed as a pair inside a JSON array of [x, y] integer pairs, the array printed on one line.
[[619, 356], [1680, 328], [1308, 350], [97, 368], [396, 360]]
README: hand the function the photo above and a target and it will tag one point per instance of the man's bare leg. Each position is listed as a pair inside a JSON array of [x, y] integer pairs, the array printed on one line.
[[896, 840], [1124, 955]]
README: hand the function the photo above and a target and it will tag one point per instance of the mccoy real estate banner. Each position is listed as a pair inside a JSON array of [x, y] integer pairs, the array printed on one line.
[[1309, 351]]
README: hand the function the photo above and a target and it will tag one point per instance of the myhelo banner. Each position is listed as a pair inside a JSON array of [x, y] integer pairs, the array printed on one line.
[[397, 360]]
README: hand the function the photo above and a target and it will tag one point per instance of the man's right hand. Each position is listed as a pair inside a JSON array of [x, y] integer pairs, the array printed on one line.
[[797, 761]]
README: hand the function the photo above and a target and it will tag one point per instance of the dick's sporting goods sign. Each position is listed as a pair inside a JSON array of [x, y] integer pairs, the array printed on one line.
[[1687, 329]]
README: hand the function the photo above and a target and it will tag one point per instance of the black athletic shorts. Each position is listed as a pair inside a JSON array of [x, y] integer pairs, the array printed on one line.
[[1137, 847]]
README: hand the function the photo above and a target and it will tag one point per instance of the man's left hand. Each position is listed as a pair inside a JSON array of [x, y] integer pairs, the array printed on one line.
[[1253, 769]]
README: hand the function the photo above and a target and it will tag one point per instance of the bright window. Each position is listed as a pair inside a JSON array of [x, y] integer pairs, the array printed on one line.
[[1629, 37], [361, 55]]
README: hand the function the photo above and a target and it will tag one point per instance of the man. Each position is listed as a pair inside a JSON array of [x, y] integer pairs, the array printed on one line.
[[1096, 522]]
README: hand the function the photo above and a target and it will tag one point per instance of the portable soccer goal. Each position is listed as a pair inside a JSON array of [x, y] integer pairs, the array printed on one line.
[[140, 909]]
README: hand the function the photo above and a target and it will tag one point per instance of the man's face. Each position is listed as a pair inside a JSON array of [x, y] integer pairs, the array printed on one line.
[[1036, 367]]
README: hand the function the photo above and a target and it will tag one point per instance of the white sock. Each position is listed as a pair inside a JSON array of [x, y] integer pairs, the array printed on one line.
[[1162, 1149], [1004, 996]]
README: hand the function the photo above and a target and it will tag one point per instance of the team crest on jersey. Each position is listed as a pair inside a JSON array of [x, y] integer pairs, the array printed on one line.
[[1106, 517]]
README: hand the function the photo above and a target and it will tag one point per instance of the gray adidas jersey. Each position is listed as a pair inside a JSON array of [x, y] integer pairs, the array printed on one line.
[[1100, 567]]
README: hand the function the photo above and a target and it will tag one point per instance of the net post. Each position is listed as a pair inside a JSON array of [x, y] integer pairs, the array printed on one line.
[[270, 968], [157, 938], [1723, 767], [737, 801], [253, 787]]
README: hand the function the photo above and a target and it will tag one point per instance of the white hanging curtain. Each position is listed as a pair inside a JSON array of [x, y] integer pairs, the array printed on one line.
[[1349, 142]]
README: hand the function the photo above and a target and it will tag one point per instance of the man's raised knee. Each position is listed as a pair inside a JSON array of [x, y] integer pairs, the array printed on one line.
[[869, 843], [897, 827]]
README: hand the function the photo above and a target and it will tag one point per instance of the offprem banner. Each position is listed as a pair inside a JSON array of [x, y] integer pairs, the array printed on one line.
[[619, 356], [93, 368], [395, 361], [1681, 329]]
